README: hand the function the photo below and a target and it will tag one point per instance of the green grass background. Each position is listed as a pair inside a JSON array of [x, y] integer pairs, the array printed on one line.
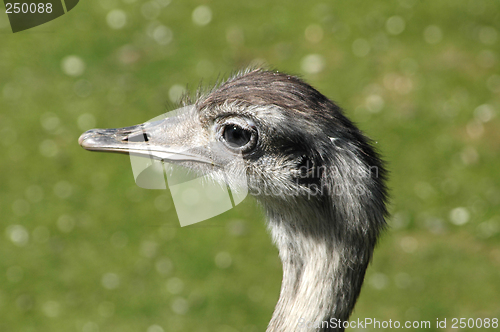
[[82, 248]]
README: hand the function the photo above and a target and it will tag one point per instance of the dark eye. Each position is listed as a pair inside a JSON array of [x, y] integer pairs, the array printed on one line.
[[235, 136]]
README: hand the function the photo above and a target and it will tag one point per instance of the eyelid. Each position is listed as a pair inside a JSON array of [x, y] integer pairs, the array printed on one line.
[[243, 123]]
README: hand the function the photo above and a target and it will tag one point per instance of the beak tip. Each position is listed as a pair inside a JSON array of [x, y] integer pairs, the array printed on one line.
[[81, 139], [84, 140]]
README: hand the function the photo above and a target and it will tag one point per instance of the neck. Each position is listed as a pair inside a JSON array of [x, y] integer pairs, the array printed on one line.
[[326, 241], [322, 275]]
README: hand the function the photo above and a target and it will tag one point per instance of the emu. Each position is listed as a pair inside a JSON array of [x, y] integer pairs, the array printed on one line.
[[325, 197]]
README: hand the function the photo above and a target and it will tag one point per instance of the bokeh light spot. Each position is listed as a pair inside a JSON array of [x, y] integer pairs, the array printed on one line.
[[110, 281], [459, 216], [202, 15], [63, 189], [223, 260], [433, 34], [374, 103], [149, 248], [18, 235], [314, 33], [73, 65], [395, 25], [155, 328], [180, 306], [235, 36], [51, 309], [379, 281], [66, 223], [361, 47], [313, 64], [49, 121], [484, 113], [116, 19], [48, 148], [176, 92], [162, 35], [403, 280], [164, 266], [409, 244], [150, 10], [255, 293], [86, 121], [205, 68], [175, 285], [90, 327], [163, 203]]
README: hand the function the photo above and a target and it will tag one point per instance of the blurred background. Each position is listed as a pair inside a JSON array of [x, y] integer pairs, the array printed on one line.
[[82, 248]]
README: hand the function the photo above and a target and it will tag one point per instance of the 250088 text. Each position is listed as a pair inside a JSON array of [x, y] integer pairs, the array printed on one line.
[[463, 323], [25, 8]]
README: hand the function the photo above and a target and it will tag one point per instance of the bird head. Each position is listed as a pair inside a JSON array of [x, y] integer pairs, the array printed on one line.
[[282, 136]]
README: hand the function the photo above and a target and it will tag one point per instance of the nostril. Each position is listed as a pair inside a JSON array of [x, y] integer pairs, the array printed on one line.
[[139, 137]]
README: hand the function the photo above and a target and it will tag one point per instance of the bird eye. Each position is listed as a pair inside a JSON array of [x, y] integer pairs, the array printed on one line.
[[237, 137]]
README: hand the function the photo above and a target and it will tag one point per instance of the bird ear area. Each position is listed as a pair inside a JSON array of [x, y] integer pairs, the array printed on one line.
[[308, 172]]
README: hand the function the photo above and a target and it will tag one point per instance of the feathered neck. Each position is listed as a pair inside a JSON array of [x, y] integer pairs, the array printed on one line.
[[321, 277], [325, 244]]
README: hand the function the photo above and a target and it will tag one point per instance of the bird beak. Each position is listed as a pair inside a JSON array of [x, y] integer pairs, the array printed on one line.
[[175, 136], [178, 137]]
